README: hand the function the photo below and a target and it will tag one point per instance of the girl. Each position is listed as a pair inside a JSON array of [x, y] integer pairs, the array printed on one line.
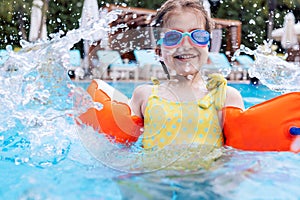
[[184, 109]]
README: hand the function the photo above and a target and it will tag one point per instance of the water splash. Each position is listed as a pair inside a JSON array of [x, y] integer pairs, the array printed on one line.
[[36, 122], [272, 71], [38, 100], [40, 103]]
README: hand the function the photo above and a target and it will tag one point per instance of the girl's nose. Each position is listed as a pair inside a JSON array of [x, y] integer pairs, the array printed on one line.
[[185, 42]]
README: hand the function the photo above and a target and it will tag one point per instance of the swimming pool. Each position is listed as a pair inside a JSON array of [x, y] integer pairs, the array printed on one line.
[[72, 172], [252, 94]]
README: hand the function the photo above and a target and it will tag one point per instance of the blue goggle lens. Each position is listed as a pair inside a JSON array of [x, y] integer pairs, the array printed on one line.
[[173, 38], [200, 36]]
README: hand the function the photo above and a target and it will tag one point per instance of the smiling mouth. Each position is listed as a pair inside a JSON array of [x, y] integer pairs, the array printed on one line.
[[185, 57]]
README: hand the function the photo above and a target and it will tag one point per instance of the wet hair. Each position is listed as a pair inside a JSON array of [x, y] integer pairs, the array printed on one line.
[[170, 5], [160, 18]]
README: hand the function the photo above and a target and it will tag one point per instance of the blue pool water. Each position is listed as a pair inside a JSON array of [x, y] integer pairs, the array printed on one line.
[[73, 172], [45, 154], [252, 94]]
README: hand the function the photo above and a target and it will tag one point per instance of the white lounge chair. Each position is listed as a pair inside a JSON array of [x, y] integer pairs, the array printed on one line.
[[149, 64], [75, 58], [217, 63], [3, 56], [112, 59], [243, 63], [75, 70]]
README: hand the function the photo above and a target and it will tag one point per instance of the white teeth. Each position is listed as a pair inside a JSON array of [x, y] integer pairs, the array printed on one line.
[[185, 56]]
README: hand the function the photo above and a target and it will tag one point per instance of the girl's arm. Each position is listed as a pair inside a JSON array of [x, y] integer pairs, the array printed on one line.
[[234, 98], [139, 100]]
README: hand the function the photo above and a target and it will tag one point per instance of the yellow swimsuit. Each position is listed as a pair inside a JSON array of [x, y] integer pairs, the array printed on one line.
[[167, 122]]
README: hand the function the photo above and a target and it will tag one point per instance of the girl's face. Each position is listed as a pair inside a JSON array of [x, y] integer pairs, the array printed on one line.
[[184, 59]]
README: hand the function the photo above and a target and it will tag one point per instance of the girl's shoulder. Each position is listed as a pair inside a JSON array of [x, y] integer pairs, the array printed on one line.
[[234, 98], [143, 91], [231, 90], [143, 88], [139, 99]]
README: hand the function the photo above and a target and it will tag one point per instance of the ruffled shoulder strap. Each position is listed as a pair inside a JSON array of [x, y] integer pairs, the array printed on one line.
[[217, 91], [155, 83]]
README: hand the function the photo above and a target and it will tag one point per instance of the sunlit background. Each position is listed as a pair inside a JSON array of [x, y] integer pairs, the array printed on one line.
[[62, 15], [44, 154]]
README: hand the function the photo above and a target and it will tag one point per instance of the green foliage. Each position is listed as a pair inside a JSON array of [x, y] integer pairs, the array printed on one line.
[[62, 15], [14, 22], [150, 4], [15, 19], [65, 15], [254, 15]]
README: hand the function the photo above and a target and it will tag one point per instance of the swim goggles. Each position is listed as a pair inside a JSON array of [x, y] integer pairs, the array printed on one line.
[[173, 38]]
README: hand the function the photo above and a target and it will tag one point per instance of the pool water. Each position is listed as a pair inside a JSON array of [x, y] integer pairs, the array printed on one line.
[[252, 94], [76, 174]]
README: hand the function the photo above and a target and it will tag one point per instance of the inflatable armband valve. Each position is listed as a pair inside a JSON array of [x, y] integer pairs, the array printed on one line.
[[295, 131], [269, 126], [114, 119]]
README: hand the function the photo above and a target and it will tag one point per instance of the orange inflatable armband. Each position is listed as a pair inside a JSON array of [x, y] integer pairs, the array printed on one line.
[[114, 119], [270, 126]]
